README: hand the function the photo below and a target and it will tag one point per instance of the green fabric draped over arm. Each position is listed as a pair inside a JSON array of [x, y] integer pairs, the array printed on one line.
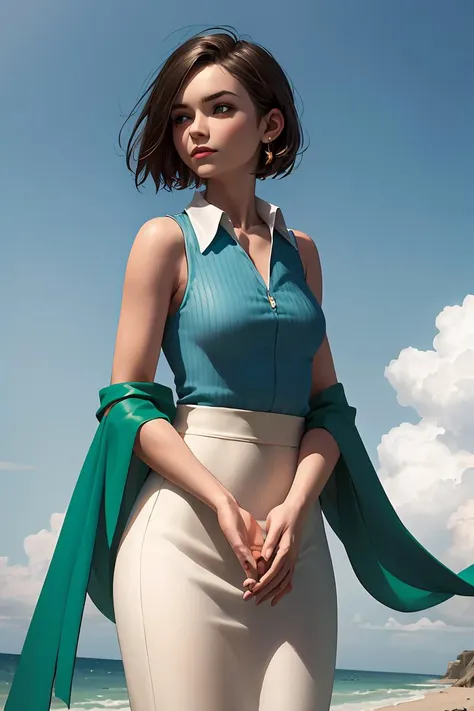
[[84, 556], [389, 562]]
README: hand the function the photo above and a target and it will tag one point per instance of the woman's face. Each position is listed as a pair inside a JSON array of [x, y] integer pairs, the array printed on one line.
[[226, 123]]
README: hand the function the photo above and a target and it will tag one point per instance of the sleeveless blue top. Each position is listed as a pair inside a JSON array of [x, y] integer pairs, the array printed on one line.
[[234, 344]]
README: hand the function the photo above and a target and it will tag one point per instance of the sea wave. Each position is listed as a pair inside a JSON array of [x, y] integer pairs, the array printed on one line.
[[366, 705], [433, 685], [381, 690], [374, 705]]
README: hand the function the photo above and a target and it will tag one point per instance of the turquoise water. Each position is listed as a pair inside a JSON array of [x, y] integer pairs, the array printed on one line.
[[99, 684], [366, 690]]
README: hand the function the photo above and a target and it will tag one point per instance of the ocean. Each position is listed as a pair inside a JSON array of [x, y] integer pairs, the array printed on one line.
[[99, 684]]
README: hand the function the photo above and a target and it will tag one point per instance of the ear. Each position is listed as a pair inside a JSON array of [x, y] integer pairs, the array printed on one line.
[[274, 125]]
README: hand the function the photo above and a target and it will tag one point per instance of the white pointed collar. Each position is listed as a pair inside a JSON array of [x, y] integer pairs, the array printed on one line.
[[206, 218]]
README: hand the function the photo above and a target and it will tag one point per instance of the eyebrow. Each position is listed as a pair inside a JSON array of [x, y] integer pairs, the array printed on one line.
[[205, 99]]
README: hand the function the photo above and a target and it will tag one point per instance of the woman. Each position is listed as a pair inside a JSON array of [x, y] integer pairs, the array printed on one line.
[[234, 299], [183, 517]]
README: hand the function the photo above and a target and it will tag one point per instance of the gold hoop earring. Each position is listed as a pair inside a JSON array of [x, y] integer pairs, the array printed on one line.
[[269, 153]]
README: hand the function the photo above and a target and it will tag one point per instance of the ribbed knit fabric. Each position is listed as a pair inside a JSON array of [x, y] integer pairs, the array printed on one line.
[[226, 345]]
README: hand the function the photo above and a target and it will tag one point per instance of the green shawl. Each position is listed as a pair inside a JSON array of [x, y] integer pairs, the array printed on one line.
[[389, 562]]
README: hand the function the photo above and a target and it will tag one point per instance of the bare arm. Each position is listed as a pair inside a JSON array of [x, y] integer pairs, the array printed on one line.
[[150, 280], [319, 452]]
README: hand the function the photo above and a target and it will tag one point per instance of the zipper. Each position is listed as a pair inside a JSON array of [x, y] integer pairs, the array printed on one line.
[[272, 302], [271, 299]]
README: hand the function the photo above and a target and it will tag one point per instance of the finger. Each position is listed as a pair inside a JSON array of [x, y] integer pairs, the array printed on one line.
[[275, 592], [272, 571], [275, 589], [243, 554], [247, 561], [248, 586], [287, 589], [261, 567], [281, 594], [270, 544], [271, 586], [271, 541]]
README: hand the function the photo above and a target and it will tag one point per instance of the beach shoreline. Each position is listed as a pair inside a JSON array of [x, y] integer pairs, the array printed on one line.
[[449, 699]]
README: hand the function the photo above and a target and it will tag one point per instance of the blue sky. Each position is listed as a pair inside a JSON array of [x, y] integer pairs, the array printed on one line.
[[385, 190]]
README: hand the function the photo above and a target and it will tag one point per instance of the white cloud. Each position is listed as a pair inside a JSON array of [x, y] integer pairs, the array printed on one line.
[[461, 525], [20, 585], [15, 466], [427, 468], [424, 624], [419, 469], [431, 381]]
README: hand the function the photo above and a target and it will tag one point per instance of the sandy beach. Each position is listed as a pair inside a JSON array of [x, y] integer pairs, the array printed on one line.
[[448, 699]]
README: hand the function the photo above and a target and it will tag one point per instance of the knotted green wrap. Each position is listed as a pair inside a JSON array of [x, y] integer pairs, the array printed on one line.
[[84, 556], [392, 566]]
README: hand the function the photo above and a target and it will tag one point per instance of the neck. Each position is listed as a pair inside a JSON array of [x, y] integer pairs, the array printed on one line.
[[237, 200]]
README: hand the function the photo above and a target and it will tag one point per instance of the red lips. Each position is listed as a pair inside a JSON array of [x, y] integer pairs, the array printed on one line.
[[202, 150]]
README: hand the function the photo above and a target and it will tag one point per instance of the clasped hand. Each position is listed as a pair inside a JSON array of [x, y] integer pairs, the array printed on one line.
[[278, 556]]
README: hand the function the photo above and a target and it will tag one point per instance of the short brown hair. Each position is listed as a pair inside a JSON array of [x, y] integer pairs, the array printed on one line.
[[252, 65]]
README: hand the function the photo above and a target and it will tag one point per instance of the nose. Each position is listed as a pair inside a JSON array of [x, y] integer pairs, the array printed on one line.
[[198, 126]]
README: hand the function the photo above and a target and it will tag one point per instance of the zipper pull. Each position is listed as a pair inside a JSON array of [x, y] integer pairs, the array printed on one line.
[[271, 299]]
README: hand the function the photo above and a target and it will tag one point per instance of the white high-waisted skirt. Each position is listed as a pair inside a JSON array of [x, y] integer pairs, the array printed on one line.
[[188, 640]]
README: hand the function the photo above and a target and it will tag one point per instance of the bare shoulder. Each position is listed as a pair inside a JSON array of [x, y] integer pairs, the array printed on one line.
[[157, 253], [160, 236], [150, 278], [311, 263]]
